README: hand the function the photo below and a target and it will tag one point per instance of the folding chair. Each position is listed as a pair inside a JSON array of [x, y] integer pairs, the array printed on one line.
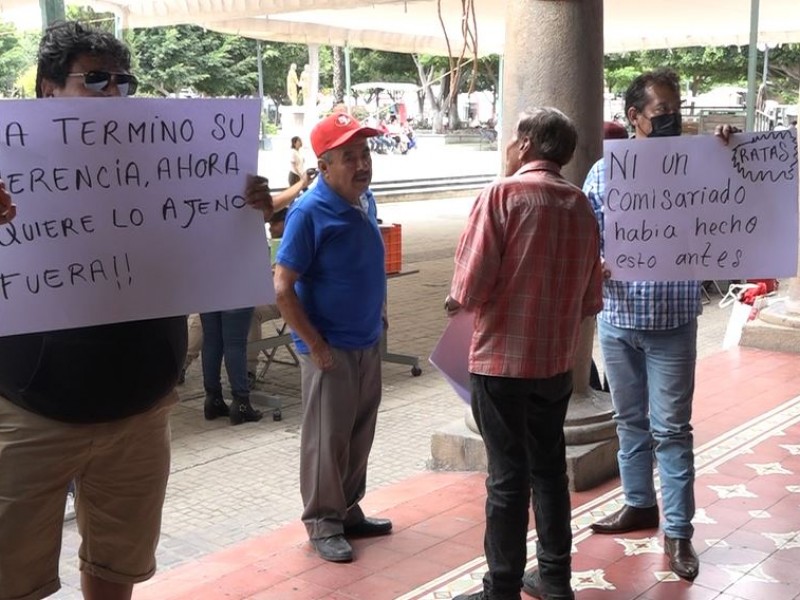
[[269, 346]]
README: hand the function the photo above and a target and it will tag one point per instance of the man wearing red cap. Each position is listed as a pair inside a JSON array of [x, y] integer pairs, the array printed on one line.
[[330, 284]]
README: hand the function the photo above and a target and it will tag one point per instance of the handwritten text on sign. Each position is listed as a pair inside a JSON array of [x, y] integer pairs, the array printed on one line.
[[128, 209], [692, 208]]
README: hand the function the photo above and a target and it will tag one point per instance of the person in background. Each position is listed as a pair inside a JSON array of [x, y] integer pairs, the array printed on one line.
[[225, 338], [614, 131], [528, 267], [280, 203], [332, 254], [63, 414], [296, 161]]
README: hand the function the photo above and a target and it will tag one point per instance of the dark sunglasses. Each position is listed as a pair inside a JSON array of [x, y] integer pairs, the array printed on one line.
[[97, 81]]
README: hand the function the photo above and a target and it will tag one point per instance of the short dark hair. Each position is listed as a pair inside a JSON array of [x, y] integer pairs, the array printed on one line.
[[636, 94], [295, 139], [64, 41], [553, 135]]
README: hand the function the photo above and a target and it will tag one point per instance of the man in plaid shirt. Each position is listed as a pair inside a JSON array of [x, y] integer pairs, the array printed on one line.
[[648, 335], [528, 267]]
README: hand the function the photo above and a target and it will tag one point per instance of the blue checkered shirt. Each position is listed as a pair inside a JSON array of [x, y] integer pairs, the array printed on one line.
[[648, 305]]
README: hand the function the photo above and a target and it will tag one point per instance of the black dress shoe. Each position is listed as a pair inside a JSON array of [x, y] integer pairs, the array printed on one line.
[[682, 558], [533, 585], [334, 548], [368, 528], [628, 518], [474, 596]]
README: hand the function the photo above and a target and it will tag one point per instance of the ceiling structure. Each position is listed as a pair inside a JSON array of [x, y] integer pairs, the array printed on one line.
[[414, 25]]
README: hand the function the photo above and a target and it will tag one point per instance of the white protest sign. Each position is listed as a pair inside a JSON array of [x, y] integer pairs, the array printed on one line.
[[128, 209], [692, 208]]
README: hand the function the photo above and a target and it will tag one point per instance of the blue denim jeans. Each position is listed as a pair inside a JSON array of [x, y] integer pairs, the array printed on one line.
[[522, 424], [225, 335], [651, 376]]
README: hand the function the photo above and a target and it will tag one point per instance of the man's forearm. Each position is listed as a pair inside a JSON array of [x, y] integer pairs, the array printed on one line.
[[293, 313]]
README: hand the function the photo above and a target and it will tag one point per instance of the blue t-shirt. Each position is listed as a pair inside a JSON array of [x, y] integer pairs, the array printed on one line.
[[338, 251]]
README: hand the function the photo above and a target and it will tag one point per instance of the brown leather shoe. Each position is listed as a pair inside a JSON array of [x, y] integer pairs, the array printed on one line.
[[682, 558], [628, 518]]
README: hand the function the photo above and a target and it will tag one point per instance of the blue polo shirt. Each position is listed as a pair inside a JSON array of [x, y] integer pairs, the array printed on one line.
[[338, 251]]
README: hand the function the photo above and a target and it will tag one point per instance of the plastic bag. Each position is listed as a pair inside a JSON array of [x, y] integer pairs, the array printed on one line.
[[747, 300]]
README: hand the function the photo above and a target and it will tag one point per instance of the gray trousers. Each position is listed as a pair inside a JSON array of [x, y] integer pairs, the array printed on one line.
[[340, 409]]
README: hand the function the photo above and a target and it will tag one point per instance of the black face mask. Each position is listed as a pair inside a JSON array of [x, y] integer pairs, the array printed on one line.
[[665, 125]]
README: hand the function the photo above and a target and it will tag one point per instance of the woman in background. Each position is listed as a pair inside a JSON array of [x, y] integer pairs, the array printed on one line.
[[296, 163]]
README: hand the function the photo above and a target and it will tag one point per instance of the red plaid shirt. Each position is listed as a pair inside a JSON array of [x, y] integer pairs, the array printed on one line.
[[528, 266]]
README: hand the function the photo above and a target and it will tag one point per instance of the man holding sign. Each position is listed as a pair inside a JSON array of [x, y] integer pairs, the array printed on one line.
[[648, 335], [64, 415]]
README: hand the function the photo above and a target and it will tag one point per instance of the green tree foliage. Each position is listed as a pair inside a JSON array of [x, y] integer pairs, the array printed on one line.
[[171, 59], [89, 16], [701, 68], [784, 73], [374, 65], [17, 52]]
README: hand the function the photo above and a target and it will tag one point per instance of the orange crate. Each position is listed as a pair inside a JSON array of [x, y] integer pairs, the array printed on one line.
[[393, 242]]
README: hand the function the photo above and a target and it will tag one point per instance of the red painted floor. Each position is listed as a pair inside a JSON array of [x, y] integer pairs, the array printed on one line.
[[747, 439]]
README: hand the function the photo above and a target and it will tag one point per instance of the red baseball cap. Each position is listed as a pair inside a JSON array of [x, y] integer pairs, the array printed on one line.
[[336, 130]]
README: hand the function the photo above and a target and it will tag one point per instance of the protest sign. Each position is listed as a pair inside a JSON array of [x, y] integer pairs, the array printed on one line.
[[451, 354], [128, 209], [693, 208]]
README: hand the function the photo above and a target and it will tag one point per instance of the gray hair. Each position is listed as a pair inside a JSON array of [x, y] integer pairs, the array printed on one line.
[[552, 134], [327, 156]]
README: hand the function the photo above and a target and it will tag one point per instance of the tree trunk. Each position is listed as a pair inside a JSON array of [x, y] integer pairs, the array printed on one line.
[[426, 76], [338, 74]]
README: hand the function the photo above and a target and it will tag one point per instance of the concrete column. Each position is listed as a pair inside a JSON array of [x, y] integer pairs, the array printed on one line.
[[52, 11], [554, 57], [310, 95]]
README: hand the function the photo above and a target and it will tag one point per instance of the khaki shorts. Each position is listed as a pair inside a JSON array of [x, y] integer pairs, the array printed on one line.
[[120, 471]]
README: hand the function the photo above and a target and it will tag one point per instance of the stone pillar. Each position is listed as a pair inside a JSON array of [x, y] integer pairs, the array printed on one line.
[[310, 95], [556, 59]]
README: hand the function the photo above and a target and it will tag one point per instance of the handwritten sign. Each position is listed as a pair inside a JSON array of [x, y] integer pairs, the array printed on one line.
[[128, 209], [692, 208]]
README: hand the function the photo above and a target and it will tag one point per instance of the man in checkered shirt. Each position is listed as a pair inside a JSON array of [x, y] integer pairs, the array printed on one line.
[[528, 267]]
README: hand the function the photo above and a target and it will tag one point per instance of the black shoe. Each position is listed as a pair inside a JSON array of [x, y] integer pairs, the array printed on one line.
[[214, 407], [334, 548], [628, 518], [243, 412], [682, 558], [533, 585], [474, 596], [369, 528]]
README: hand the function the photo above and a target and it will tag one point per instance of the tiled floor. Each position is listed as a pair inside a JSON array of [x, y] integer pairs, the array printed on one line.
[[747, 425]]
